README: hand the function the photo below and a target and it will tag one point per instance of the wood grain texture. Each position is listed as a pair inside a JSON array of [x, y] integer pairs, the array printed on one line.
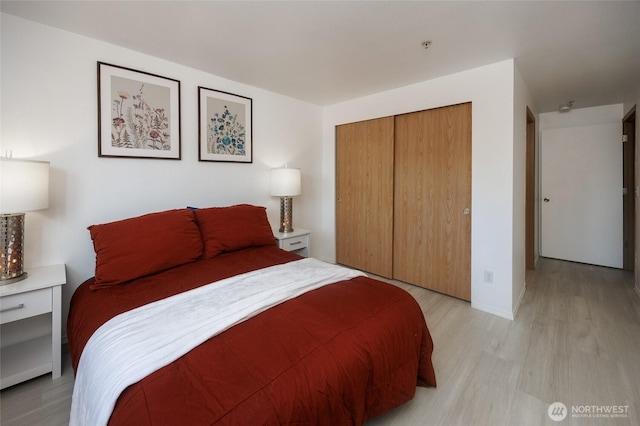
[[629, 182], [364, 195], [432, 235], [576, 339], [530, 191]]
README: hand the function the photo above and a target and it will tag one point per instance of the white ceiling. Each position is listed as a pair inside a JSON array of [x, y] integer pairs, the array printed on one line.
[[325, 52]]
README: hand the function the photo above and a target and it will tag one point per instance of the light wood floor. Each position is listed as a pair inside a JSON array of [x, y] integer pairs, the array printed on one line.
[[575, 340]]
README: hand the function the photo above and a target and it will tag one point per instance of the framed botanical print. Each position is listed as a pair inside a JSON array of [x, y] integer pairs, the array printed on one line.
[[224, 126], [138, 114]]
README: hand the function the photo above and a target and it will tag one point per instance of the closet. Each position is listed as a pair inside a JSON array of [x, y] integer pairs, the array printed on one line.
[[403, 198]]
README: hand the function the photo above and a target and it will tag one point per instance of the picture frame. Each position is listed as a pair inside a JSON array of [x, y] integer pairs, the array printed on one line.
[[225, 123], [138, 114]]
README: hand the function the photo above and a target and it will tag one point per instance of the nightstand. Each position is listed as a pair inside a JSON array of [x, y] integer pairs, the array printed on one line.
[[296, 241], [24, 306]]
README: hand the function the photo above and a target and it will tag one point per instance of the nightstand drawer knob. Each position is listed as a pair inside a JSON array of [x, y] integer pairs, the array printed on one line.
[[295, 243], [12, 308]]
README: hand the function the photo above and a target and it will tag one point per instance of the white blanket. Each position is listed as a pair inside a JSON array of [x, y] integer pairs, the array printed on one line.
[[136, 343]]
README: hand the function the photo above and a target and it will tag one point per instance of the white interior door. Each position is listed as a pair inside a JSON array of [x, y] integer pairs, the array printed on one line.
[[581, 218]]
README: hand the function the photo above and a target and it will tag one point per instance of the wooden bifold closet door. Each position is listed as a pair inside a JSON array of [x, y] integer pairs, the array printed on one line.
[[432, 227], [364, 195]]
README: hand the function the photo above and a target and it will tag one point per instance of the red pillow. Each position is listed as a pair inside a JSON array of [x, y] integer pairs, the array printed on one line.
[[233, 228], [143, 245]]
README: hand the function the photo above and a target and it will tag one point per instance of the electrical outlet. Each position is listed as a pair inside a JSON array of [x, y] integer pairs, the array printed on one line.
[[488, 277]]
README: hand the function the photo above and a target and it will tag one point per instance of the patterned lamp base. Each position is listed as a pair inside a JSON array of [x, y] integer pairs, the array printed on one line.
[[11, 248], [286, 213]]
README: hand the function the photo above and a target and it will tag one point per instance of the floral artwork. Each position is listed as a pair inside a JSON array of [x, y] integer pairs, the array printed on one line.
[[225, 126], [136, 123], [144, 114], [225, 134]]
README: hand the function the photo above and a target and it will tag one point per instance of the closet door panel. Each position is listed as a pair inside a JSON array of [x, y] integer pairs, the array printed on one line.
[[432, 229], [364, 195]]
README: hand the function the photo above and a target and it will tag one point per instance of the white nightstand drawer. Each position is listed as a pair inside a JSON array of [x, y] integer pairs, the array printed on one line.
[[25, 305], [295, 243]]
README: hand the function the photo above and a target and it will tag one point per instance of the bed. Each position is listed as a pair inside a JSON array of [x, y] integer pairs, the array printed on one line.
[[341, 353]]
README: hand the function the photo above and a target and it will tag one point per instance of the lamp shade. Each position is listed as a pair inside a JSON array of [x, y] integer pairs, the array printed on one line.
[[285, 182], [24, 185]]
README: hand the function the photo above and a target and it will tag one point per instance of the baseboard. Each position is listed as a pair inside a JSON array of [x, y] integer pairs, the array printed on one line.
[[520, 299], [499, 312], [491, 310]]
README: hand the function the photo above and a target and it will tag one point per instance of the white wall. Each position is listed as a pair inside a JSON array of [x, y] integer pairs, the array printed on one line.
[[491, 91], [580, 117], [521, 100], [49, 112]]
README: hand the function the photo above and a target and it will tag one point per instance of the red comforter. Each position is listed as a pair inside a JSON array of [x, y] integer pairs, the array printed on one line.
[[337, 355]]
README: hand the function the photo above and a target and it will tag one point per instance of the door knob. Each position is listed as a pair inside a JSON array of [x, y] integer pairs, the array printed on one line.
[[466, 211], [546, 200]]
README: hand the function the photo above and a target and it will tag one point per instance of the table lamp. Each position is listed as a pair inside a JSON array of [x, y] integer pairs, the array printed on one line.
[[285, 183], [24, 187]]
